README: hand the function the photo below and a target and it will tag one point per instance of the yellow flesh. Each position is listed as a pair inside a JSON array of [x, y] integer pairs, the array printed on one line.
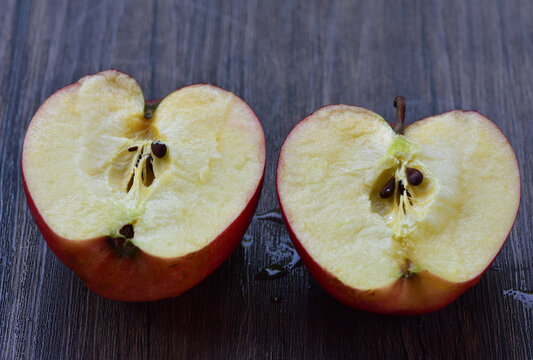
[[77, 165], [334, 164]]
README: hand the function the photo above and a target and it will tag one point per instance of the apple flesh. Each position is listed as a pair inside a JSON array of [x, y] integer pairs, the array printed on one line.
[[392, 221], [142, 202]]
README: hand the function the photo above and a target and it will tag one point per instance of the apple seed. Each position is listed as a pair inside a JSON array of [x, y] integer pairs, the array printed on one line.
[[388, 189], [414, 176], [130, 183], [138, 159], [159, 149], [133, 148], [401, 188], [148, 173]]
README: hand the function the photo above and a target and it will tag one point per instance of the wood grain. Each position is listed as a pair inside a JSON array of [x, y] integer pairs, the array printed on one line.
[[285, 58]]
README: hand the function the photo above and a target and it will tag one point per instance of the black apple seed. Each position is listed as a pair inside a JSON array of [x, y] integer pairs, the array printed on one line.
[[159, 149], [388, 189], [133, 148], [127, 231], [130, 183], [414, 176], [401, 188], [148, 171]]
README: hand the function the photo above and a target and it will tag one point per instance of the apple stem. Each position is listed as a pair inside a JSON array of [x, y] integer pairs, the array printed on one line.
[[149, 108], [399, 104]]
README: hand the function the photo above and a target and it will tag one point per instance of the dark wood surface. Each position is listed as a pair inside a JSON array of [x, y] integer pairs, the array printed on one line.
[[285, 58]]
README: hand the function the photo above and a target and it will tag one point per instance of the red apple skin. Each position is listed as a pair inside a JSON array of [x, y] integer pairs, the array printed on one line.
[[420, 293], [144, 277]]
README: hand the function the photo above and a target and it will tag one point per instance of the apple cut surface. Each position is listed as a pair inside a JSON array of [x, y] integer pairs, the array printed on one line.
[[418, 249], [95, 167]]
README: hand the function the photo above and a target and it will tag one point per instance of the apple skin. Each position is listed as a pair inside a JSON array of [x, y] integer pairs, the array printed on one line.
[[420, 293], [144, 277]]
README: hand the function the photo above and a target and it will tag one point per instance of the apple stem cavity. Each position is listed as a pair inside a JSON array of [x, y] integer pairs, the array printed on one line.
[[399, 104]]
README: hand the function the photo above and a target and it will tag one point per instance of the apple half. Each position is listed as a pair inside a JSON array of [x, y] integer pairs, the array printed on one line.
[[397, 222], [142, 201]]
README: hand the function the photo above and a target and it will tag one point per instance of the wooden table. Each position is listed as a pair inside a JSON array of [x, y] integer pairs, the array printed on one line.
[[285, 58]]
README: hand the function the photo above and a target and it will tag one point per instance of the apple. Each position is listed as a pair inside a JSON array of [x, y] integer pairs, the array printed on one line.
[[394, 221], [141, 201]]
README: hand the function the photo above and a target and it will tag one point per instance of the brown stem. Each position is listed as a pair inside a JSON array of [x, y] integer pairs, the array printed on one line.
[[399, 104], [149, 108]]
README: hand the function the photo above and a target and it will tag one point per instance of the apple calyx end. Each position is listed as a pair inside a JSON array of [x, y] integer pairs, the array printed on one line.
[[124, 248], [122, 244], [407, 269]]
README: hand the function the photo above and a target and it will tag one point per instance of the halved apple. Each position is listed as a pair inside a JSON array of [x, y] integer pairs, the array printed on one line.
[[392, 222], [142, 202]]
